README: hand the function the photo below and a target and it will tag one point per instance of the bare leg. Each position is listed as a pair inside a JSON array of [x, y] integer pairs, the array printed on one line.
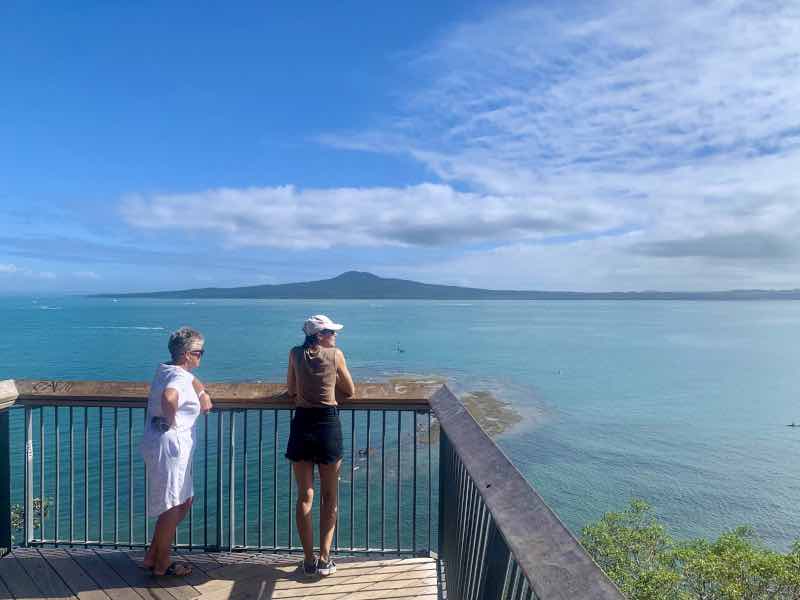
[[304, 475], [163, 535], [150, 557], [329, 485]]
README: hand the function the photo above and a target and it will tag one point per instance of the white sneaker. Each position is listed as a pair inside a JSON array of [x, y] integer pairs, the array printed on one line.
[[325, 568]]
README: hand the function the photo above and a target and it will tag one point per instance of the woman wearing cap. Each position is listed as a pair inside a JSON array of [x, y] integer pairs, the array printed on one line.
[[175, 401], [317, 369]]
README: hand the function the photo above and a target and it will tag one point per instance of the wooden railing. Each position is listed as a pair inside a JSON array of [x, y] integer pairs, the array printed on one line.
[[460, 499]]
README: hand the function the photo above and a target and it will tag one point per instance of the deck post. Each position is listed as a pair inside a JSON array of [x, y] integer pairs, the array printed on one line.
[[8, 395]]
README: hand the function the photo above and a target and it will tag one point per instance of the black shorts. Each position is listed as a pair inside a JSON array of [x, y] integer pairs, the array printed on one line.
[[315, 436]]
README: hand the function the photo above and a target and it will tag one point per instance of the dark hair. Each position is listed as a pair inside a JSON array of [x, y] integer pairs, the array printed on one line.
[[311, 340]]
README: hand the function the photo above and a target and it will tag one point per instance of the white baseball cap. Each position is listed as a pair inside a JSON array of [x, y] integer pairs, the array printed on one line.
[[319, 323]]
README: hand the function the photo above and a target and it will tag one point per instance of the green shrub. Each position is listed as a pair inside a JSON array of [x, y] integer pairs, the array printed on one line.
[[647, 564]]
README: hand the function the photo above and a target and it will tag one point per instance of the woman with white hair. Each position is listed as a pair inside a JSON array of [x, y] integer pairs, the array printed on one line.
[[317, 369], [175, 401]]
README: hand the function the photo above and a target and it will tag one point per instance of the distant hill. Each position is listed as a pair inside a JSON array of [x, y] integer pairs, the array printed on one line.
[[359, 285]]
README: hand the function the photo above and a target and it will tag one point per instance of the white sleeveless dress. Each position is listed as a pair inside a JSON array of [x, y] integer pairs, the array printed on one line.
[[168, 454]]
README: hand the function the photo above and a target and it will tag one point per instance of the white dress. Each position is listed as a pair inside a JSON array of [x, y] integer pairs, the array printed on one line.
[[168, 454]]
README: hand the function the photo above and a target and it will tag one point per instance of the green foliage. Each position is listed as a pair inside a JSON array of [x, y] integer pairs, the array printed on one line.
[[40, 510], [647, 564]]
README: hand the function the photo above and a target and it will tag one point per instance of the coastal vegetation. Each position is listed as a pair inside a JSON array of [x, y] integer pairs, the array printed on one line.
[[634, 549]]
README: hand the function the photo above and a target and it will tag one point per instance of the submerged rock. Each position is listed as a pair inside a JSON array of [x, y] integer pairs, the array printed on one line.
[[495, 416]]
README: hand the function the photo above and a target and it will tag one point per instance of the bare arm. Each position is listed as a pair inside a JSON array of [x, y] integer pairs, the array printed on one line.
[[291, 385], [344, 382], [202, 395], [169, 405]]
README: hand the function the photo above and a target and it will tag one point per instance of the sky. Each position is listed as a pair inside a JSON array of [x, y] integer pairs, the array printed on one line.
[[589, 146]]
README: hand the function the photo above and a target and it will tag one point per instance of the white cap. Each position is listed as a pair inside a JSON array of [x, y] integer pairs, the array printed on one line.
[[319, 323]]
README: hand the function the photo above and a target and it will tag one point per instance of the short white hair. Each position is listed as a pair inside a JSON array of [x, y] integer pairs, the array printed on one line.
[[184, 340]]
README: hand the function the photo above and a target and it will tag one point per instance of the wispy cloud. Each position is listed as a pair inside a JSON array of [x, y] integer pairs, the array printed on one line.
[[17, 271], [683, 113], [86, 275], [657, 144], [422, 215]]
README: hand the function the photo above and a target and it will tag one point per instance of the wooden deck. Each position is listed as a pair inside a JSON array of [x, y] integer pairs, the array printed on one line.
[[101, 574]]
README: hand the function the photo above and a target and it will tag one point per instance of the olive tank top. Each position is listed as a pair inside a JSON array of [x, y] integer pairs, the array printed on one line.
[[315, 376]]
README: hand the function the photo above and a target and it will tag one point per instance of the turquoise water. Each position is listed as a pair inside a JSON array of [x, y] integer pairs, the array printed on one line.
[[683, 404]]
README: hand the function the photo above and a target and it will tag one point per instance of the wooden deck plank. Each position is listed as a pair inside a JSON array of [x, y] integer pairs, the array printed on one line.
[[79, 583], [17, 579], [199, 560], [106, 578], [178, 584], [104, 574], [138, 579], [49, 582], [5, 594]]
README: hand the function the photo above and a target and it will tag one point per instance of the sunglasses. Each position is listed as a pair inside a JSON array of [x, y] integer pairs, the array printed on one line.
[[327, 332], [197, 352]]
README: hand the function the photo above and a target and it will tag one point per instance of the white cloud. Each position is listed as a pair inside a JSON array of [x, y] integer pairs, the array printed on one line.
[[86, 274], [685, 114], [422, 215], [12, 269], [673, 127]]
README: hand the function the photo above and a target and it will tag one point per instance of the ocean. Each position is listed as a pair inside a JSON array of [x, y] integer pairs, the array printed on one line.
[[684, 404]]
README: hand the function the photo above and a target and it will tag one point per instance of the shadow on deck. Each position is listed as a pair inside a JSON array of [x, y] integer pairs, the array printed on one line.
[[103, 574]]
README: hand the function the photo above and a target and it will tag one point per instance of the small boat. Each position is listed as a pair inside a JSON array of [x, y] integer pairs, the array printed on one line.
[[398, 348]]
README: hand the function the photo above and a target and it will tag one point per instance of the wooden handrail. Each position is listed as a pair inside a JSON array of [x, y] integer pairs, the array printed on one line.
[[553, 561], [224, 395]]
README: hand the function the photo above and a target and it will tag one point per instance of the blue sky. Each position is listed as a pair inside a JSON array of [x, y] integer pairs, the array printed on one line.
[[511, 145]]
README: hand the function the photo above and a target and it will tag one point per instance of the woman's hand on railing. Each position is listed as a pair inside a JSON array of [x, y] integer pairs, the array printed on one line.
[[205, 402], [202, 395]]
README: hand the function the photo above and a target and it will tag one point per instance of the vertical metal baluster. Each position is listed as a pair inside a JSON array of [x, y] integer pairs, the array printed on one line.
[[42, 494], [146, 484], [71, 478], [205, 482], [430, 483], [116, 477], [260, 477], [130, 477], [383, 480], [399, 424], [414, 493], [244, 481], [86, 474], [506, 579], [366, 502], [526, 590], [100, 483], [28, 500], [515, 587], [220, 436], [58, 473], [232, 483], [352, 474], [275, 479], [291, 416]]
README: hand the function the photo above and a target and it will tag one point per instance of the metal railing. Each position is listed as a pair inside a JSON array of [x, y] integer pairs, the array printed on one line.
[[459, 500], [82, 482], [497, 537]]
